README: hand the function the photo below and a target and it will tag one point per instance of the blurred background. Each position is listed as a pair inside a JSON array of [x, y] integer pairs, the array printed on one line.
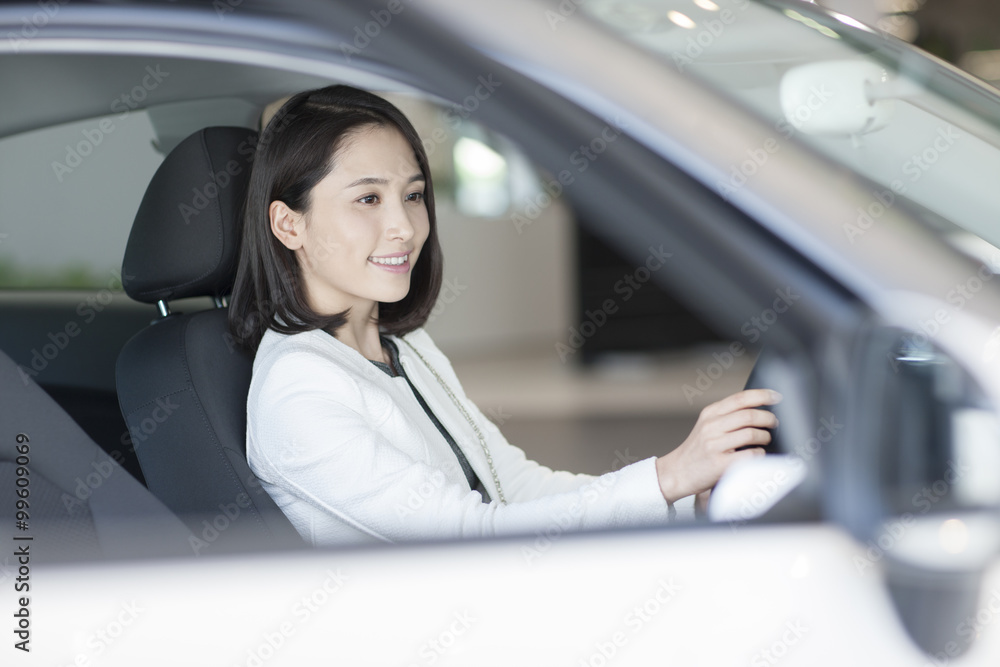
[[963, 32]]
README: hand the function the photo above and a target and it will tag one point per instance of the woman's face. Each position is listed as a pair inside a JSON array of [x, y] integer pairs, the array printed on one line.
[[366, 224]]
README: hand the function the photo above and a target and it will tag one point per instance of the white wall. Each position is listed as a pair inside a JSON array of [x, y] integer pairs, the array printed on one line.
[[504, 289]]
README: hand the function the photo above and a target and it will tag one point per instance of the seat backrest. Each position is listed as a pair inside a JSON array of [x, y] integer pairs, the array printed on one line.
[[62, 496], [182, 382]]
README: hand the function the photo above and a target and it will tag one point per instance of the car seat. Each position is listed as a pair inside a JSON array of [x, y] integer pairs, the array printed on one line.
[[76, 502], [182, 381]]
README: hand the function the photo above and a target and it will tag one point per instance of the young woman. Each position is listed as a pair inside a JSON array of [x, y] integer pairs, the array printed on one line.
[[356, 424]]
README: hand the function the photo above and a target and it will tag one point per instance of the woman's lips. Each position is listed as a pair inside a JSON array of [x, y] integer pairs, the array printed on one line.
[[397, 263]]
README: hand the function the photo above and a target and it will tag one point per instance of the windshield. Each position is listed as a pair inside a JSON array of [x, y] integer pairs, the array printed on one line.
[[921, 133]]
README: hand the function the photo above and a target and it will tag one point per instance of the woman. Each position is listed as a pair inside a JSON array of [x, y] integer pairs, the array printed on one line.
[[356, 423]]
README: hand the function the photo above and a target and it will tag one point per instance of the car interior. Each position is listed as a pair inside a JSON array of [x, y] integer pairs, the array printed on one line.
[[83, 504], [95, 375], [186, 364], [120, 365]]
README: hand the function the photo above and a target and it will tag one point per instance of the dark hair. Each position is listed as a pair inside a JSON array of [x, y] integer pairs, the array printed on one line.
[[295, 152]]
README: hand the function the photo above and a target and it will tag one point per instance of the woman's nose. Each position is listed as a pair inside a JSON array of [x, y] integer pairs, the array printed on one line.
[[399, 224]]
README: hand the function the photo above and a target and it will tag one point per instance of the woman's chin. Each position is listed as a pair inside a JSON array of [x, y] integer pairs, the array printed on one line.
[[394, 297]]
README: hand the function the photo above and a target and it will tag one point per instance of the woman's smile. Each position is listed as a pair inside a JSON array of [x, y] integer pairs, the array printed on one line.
[[395, 263]]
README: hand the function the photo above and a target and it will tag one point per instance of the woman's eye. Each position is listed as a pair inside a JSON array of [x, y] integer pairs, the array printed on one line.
[[415, 196], [369, 199]]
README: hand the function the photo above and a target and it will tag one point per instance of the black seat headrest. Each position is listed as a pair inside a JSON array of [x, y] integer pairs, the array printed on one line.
[[185, 237]]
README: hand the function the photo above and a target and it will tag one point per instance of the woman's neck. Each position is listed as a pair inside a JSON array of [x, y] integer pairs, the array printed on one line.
[[363, 337]]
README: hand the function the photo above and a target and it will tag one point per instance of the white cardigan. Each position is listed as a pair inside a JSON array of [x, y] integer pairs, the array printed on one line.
[[349, 455]]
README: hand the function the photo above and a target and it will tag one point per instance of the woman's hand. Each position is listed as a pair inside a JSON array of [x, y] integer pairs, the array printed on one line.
[[722, 428]]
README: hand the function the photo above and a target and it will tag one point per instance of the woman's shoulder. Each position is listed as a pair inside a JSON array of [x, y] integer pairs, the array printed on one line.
[[304, 358], [275, 347]]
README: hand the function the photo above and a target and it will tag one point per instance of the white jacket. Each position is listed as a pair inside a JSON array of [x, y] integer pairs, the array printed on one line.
[[349, 455]]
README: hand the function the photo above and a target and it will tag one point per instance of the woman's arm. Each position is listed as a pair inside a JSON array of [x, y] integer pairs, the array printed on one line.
[[526, 479], [722, 434], [309, 438]]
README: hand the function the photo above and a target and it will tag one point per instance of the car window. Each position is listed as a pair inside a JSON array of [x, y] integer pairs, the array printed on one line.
[[67, 198], [581, 356], [919, 134], [573, 298], [481, 181], [516, 337]]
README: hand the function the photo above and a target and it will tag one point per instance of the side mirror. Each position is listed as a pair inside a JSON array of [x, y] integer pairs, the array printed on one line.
[[751, 487], [840, 97]]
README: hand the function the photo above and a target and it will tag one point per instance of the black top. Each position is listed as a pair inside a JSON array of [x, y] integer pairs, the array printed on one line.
[[395, 369]]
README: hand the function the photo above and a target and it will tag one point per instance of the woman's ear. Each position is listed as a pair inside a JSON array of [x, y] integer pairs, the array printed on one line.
[[287, 225]]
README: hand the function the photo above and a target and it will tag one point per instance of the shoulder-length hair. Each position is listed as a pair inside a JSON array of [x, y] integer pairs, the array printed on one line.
[[295, 152]]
